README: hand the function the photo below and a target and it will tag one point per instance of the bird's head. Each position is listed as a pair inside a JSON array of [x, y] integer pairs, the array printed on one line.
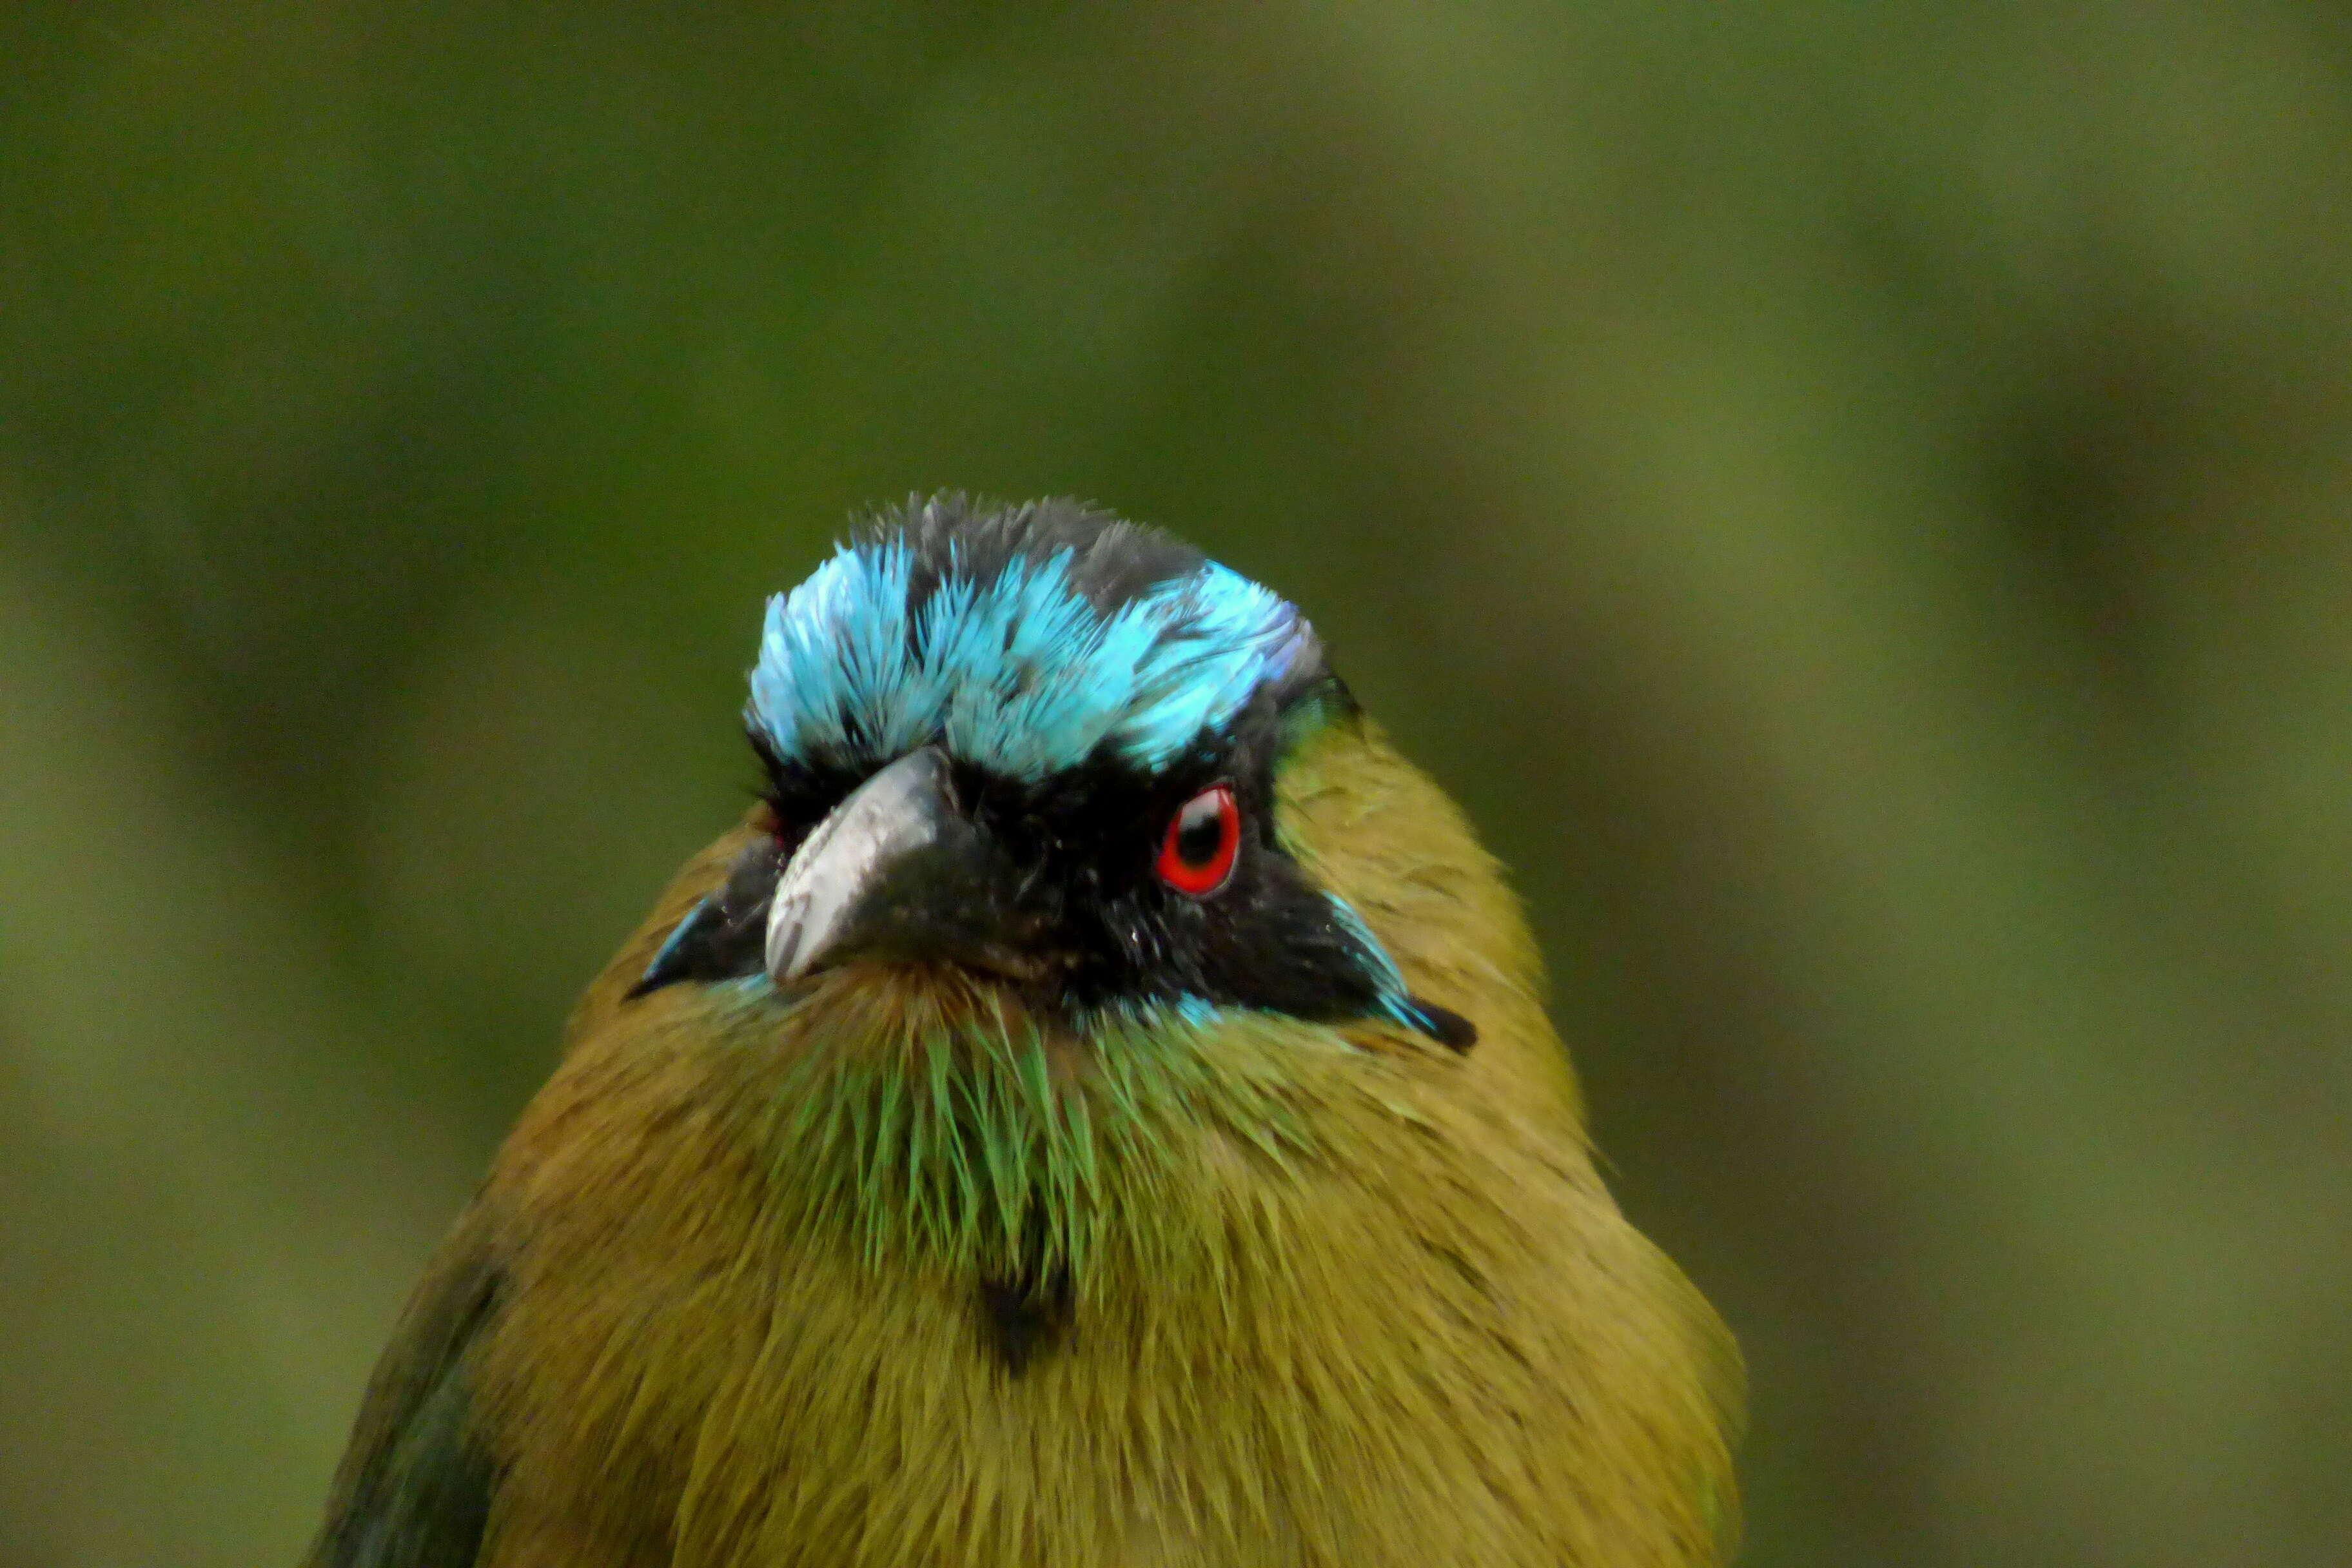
[[1066, 828]]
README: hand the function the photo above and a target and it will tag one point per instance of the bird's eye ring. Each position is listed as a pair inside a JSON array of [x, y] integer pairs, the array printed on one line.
[[1203, 838]]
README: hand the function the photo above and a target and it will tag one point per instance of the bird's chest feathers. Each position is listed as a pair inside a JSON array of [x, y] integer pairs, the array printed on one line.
[[912, 1302]]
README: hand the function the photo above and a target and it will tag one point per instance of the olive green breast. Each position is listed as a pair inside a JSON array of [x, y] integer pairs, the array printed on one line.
[[1320, 1296]]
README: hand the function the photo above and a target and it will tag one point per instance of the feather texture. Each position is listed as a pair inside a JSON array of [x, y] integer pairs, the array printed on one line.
[[902, 1264], [414, 1490], [1019, 671], [1338, 1297]]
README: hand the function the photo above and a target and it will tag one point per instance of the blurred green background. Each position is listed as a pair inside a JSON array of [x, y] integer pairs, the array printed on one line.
[[1853, 499]]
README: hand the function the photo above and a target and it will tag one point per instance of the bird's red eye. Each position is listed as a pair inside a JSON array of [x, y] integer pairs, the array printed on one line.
[[1197, 857]]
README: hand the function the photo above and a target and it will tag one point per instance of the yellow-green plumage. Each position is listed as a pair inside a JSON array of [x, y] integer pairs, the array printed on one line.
[[1337, 1295]]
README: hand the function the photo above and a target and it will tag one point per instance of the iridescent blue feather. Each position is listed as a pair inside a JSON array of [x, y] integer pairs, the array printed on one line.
[[1018, 669], [1395, 999], [1020, 674]]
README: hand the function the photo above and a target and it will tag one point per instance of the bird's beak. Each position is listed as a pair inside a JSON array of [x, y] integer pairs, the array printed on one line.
[[900, 873]]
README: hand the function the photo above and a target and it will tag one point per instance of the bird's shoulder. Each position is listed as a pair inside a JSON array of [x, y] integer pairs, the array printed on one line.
[[415, 1487]]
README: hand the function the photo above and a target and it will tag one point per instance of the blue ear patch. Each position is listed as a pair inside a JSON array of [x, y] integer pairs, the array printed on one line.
[[1449, 1029], [1020, 674]]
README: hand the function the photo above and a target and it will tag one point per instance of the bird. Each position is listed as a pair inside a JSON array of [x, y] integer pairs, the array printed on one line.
[[1097, 1107]]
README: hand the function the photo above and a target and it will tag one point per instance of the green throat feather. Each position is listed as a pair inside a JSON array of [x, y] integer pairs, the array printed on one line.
[[936, 1125]]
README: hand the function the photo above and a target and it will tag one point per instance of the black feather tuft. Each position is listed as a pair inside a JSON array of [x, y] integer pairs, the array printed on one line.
[[726, 934], [1449, 1029], [1023, 1317]]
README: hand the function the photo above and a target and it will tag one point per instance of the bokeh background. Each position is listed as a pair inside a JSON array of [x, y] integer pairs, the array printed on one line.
[[1853, 499]]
